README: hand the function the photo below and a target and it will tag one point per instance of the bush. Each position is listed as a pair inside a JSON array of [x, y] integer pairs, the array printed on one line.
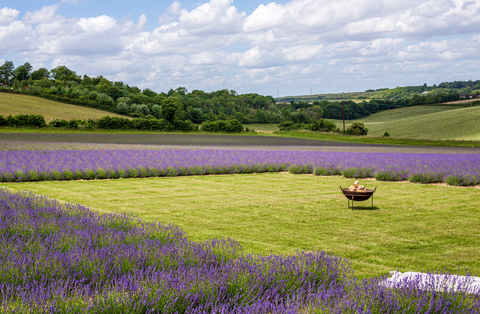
[[426, 177], [462, 180], [290, 125], [114, 123], [358, 173], [25, 121], [232, 126], [328, 171], [357, 128], [386, 134], [58, 123], [301, 169], [390, 175], [322, 126]]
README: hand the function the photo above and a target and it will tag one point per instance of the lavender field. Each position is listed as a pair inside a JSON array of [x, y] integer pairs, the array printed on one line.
[[21, 166], [65, 258]]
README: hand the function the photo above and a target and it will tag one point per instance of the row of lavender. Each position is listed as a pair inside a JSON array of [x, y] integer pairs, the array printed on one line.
[[67, 259], [18, 166]]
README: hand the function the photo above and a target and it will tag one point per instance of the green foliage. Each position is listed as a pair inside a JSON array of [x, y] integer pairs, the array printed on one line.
[[290, 125], [322, 125], [426, 177], [62, 123], [301, 169], [169, 107], [232, 126], [462, 180], [356, 128], [386, 134], [24, 121], [358, 173]]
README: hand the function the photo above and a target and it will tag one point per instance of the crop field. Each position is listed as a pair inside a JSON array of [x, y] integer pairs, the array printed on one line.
[[65, 258], [261, 231], [21, 166], [23, 104], [426, 122]]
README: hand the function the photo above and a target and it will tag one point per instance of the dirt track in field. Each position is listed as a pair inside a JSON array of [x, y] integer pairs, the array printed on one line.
[[42, 141]]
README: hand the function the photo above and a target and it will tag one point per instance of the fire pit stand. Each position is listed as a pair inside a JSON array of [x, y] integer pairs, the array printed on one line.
[[357, 196]]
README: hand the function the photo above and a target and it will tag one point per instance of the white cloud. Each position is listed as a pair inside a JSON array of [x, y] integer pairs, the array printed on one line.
[[8, 15], [293, 45], [46, 14]]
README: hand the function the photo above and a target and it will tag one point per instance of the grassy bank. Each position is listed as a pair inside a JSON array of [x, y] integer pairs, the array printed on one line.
[[334, 137], [412, 227]]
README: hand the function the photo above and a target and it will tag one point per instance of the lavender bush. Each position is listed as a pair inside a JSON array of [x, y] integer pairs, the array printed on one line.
[[68, 259], [18, 166]]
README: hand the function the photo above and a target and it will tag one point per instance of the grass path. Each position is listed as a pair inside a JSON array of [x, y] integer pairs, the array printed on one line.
[[413, 227]]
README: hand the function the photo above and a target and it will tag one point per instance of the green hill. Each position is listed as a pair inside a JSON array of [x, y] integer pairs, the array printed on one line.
[[17, 104], [426, 122]]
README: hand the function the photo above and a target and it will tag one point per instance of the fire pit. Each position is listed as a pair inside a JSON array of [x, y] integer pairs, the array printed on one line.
[[358, 196]]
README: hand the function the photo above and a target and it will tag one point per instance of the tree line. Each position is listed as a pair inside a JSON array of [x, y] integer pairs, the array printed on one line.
[[65, 85]]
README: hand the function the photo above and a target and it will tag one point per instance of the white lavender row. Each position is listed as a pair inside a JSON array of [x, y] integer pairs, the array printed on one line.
[[19, 166], [67, 259]]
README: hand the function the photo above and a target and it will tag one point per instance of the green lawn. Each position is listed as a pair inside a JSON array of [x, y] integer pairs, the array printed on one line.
[[413, 227], [23, 104]]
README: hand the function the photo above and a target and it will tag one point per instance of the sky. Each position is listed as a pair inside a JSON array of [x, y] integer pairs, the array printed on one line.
[[279, 48]]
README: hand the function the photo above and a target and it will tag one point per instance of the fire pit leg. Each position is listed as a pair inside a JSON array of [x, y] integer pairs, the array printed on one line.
[[372, 201]]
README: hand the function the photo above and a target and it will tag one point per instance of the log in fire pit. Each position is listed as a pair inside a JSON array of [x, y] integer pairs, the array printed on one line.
[[358, 196]]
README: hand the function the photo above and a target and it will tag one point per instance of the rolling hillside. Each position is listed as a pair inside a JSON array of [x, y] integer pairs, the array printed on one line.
[[426, 122], [17, 104]]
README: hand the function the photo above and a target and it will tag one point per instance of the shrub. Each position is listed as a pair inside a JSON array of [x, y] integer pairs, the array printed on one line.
[[58, 123], [462, 180], [222, 126], [358, 173], [114, 123], [26, 121], [290, 125], [322, 126], [426, 177], [68, 175], [328, 171], [386, 134], [390, 175], [301, 169], [357, 128]]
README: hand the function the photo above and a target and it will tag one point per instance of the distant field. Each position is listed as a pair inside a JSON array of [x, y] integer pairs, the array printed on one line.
[[23, 104], [425, 122], [463, 101]]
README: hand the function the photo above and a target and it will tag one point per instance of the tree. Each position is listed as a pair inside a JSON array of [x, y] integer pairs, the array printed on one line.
[[317, 112], [169, 107], [357, 128], [148, 92], [40, 73], [6, 72], [62, 73], [23, 72]]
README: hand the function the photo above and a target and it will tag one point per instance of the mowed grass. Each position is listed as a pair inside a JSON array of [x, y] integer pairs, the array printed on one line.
[[412, 227], [426, 122], [23, 104]]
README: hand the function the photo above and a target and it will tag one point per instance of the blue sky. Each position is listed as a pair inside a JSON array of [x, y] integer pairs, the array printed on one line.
[[285, 47]]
